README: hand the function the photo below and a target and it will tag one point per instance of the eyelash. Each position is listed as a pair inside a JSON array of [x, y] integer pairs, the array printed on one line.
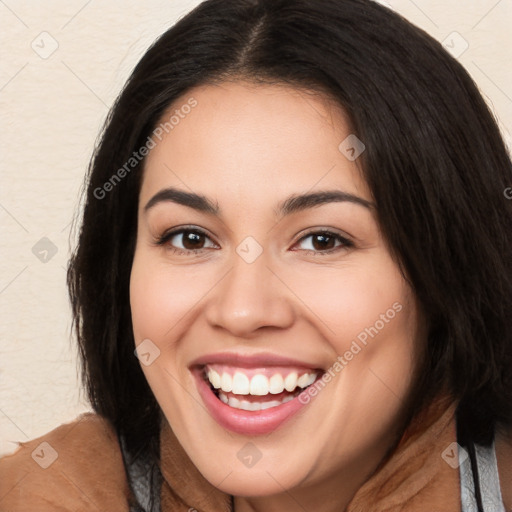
[[167, 236]]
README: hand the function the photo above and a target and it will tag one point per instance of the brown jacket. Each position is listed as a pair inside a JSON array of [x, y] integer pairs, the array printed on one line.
[[78, 467]]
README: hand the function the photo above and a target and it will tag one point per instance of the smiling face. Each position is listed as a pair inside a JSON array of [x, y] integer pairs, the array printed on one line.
[[264, 293]]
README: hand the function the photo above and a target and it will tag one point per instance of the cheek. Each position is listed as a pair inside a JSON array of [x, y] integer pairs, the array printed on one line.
[[349, 301], [162, 300], [161, 296], [368, 317]]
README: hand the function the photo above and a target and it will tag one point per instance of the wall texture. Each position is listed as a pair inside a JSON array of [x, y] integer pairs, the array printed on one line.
[[62, 65]]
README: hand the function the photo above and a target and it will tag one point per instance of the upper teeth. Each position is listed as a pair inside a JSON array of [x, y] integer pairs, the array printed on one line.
[[259, 384]]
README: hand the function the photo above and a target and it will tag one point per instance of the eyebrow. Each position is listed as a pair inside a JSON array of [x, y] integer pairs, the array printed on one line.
[[293, 204], [299, 202], [196, 201]]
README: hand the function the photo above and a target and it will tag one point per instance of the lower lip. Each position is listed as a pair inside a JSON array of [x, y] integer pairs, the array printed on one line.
[[245, 422]]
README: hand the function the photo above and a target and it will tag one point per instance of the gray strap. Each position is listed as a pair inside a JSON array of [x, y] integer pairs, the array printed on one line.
[[145, 481], [492, 500]]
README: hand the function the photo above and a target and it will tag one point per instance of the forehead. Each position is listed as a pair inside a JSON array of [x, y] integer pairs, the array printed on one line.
[[252, 141]]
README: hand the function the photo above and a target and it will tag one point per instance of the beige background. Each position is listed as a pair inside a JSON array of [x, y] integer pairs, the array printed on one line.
[[52, 106]]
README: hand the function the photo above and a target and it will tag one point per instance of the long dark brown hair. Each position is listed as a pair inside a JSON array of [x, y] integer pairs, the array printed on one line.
[[435, 163]]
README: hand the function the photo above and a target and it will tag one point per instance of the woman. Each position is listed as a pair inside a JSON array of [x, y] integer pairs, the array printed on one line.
[[296, 218]]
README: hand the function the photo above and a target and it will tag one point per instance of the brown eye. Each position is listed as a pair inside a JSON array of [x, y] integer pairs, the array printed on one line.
[[192, 240], [323, 242]]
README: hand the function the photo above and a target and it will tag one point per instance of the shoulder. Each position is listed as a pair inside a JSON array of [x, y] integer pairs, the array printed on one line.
[[76, 466], [504, 459]]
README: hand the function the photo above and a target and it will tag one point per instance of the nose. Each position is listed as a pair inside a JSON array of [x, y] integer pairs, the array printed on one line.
[[249, 297]]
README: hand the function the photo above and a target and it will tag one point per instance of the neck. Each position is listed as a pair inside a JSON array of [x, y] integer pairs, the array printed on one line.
[[408, 475], [414, 459], [326, 494]]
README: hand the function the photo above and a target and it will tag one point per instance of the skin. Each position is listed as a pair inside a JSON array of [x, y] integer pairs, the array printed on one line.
[[247, 148]]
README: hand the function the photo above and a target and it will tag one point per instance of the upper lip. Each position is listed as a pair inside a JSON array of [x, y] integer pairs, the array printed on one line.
[[259, 360]]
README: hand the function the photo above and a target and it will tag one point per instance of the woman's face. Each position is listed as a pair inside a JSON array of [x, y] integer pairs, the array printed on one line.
[[244, 284]]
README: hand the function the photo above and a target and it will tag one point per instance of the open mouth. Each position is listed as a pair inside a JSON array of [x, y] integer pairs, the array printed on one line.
[[257, 389], [253, 394]]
